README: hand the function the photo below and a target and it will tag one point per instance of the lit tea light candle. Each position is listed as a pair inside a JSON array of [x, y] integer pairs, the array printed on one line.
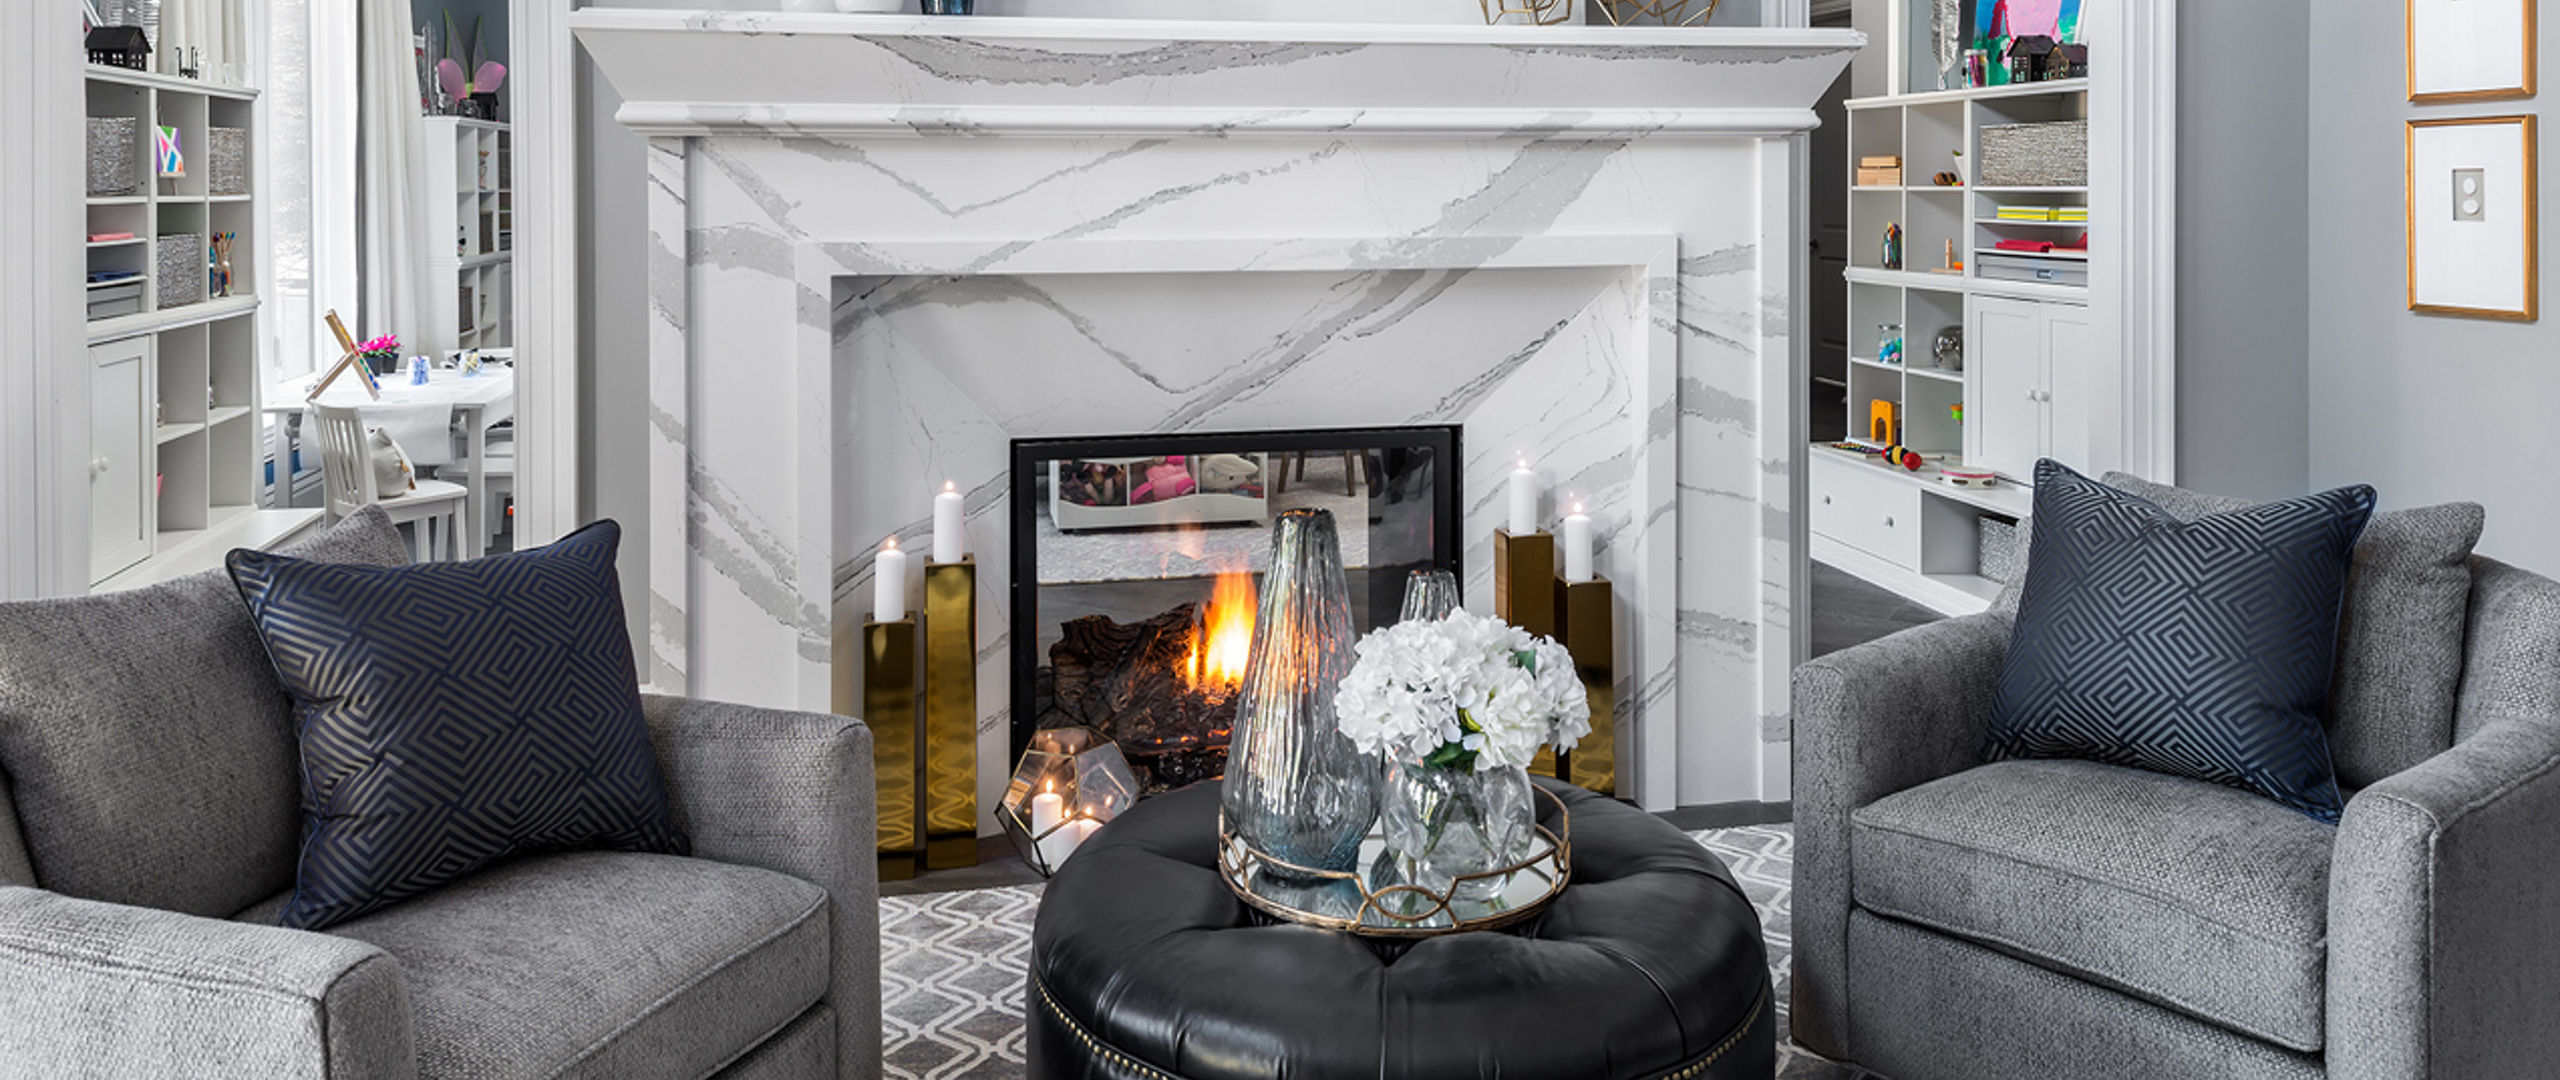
[[949, 532], [1524, 499], [1577, 546], [889, 583]]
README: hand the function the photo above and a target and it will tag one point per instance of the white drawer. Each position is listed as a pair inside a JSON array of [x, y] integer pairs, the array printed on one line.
[[1861, 505]]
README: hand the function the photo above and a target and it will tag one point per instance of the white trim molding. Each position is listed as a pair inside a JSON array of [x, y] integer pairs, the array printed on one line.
[[548, 432], [44, 385], [2133, 137]]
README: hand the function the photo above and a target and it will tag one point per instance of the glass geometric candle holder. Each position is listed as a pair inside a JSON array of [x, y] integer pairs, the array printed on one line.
[[1070, 782]]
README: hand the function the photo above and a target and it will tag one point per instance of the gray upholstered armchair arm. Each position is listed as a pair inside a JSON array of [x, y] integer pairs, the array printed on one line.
[[103, 990], [1870, 721], [2444, 914], [789, 792]]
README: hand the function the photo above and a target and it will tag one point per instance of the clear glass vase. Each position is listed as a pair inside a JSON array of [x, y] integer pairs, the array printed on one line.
[[1448, 823], [1429, 595], [1296, 789]]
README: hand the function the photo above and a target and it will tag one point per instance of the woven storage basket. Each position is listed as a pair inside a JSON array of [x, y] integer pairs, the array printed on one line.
[[2036, 155], [111, 164], [178, 259], [2001, 559], [226, 151]]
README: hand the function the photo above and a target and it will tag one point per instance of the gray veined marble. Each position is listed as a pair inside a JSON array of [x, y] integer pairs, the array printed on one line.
[[1567, 245]]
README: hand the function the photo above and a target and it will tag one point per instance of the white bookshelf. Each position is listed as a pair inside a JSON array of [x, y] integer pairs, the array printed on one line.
[[177, 446], [470, 230], [2021, 390]]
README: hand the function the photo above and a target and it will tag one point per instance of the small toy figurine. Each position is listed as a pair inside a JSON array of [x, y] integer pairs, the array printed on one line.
[[1904, 456]]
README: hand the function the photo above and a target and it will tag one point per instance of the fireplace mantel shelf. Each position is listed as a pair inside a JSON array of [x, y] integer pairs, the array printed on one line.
[[704, 73]]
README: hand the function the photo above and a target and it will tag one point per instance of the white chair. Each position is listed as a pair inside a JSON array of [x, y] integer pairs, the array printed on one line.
[[347, 484], [497, 481]]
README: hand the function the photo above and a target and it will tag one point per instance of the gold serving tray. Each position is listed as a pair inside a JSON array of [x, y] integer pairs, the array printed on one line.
[[1376, 901]]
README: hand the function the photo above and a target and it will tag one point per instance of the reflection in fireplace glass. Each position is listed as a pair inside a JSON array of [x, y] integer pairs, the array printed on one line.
[[1137, 563]]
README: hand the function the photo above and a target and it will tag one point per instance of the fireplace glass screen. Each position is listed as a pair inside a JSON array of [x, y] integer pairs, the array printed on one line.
[[1137, 563]]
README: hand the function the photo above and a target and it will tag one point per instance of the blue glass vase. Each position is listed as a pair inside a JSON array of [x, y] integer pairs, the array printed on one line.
[[1296, 789]]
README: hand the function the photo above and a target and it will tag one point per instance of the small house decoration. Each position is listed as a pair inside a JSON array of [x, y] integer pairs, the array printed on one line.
[[119, 46], [2029, 57], [2071, 60]]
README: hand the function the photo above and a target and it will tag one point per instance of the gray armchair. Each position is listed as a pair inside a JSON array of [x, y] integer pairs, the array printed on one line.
[[2046, 919], [148, 827]]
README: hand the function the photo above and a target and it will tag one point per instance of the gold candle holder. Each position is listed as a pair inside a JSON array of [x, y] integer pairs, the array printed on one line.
[[889, 710], [1590, 634], [1524, 595], [950, 735]]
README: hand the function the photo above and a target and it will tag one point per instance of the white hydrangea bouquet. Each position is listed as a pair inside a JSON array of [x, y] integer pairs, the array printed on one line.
[[1458, 707], [1461, 692]]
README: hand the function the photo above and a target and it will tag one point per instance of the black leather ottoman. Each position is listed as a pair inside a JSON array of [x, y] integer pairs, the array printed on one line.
[[1145, 967]]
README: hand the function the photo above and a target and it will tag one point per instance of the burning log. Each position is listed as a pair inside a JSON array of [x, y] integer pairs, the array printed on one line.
[[1134, 684]]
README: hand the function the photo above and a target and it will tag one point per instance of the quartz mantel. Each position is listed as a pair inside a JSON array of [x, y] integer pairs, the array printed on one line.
[[703, 72], [1594, 236]]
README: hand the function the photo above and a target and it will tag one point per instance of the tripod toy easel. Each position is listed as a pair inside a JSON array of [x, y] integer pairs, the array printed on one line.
[[352, 359]]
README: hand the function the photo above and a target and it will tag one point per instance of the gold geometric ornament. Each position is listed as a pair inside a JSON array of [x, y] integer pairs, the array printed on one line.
[[1533, 12], [1664, 12]]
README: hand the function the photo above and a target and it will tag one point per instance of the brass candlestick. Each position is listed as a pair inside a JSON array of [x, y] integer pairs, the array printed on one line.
[[950, 737], [1524, 595], [889, 709], [1590, 633]]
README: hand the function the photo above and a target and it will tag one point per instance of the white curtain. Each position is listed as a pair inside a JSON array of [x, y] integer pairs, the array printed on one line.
[[391, 137]]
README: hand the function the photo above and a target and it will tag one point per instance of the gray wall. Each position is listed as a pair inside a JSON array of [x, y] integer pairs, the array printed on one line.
[[2427, 409], [2244, 80]]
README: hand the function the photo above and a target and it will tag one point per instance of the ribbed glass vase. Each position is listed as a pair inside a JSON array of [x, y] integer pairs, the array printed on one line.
[[1429, 595], [1296, 789]]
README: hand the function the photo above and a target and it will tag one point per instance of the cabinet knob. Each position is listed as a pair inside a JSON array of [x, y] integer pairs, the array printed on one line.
[[1888, 521], [97, 468], [1826, 500]]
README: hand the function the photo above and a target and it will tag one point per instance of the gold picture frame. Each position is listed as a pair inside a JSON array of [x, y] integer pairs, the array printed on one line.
[[2432, 252], [2525, 33]]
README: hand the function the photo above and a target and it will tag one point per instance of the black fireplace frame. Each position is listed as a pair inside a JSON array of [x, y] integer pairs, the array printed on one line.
[[1445, 440]]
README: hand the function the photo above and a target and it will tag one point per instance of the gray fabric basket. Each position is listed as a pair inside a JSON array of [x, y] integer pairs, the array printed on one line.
[[2000, 554], [178, 259], [2036, 155], [227, 161], [111, 164]]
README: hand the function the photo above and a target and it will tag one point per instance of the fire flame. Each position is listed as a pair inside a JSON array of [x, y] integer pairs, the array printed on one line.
[[1225, 636]]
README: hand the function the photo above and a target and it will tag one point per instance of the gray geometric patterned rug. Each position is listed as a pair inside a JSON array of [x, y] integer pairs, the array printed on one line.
[[952, 965]]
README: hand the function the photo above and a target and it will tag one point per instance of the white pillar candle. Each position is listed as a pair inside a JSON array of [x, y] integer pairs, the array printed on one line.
[[889, 584], [1046, 809], [1577, 546], [1524, 500], [948, 529], [1066, 840]]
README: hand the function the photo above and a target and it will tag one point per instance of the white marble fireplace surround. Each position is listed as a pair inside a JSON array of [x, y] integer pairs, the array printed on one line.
[[884, 246]]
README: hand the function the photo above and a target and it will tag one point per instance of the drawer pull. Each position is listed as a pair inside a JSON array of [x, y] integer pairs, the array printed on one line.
[[1888, 522], [1826, 500]]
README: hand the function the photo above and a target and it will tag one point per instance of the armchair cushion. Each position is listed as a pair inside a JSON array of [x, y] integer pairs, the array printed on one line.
[[2197, 897], [2199, 649], [600, 964], [147, 746], [453, 714]]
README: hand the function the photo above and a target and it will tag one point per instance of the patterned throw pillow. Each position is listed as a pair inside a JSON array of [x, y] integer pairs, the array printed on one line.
[[2201, 649], [453, 714]]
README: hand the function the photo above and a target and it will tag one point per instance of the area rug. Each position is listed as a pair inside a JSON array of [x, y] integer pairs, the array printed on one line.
[[952, 967]]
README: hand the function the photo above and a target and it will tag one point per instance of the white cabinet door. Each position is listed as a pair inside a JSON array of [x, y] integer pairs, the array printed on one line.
[[2005, 358], [2067, 390], [120, 495]]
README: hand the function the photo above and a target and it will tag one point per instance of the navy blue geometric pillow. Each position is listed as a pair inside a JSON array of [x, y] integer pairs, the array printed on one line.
[[2200, 649], [454, 714]]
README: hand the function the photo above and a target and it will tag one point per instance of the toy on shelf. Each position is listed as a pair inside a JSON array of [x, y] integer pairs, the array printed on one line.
[[1884, 422], [1889, 343], [1956, 413], [1904, 456], [1892, 254], [1969, 478], [1948, 351]]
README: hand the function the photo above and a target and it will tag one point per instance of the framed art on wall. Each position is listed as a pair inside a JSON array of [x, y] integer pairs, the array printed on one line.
[[2470, 50], [2472, 211]]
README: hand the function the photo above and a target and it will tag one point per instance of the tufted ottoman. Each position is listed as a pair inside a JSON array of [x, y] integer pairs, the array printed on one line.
[[1145, 967]]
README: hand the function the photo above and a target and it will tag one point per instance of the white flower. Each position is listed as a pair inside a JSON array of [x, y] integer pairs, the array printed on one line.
[[1463, 687]]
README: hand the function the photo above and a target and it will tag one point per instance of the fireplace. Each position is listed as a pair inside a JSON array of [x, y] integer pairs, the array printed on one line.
[[1136, 564]]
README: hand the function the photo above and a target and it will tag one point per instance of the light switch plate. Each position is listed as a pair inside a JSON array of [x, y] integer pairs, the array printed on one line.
[[2470, 194]]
